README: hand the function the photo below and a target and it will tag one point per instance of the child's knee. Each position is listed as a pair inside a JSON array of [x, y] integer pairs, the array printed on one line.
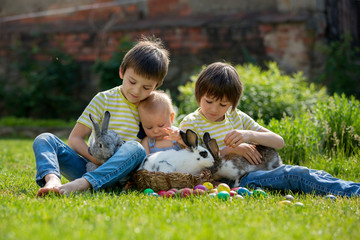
[[134, 148], [44, 137], [297, 170]]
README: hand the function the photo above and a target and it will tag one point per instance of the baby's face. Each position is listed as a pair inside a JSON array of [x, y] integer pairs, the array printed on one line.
[[154, 122]]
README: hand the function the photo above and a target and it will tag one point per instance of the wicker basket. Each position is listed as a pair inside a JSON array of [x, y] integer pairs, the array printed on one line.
[[157, 181]]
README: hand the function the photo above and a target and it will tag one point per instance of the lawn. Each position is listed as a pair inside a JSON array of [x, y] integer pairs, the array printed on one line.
[[115, 215]]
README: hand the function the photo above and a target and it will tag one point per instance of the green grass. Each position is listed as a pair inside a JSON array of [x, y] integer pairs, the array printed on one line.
[[28, 122], [116, 215]]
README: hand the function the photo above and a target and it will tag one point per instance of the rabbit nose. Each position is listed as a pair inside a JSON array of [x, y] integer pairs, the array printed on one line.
[[204, 154]]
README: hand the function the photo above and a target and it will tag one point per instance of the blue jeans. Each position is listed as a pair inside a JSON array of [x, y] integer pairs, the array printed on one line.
[[301, 179], [53, 156]]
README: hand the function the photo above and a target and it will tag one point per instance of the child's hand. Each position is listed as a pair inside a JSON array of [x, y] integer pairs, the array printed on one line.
[[173, 135], [237, 137], [248, 151]]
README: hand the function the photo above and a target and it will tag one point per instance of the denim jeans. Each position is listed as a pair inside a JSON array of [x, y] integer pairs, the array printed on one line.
[[301, 179], [53, 156]]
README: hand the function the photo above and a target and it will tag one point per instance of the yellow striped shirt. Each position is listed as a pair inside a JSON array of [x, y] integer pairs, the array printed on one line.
[[218, 130], [124, 115]]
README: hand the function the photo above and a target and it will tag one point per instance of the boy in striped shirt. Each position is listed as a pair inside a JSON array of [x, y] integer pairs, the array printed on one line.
[[217, 91], [143, 69]]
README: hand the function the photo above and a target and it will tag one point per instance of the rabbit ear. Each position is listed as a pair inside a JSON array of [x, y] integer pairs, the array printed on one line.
[[183, 137], [206, 138], [96, 126], [105, 124], [191, 138], [211, 145], [214, 148]]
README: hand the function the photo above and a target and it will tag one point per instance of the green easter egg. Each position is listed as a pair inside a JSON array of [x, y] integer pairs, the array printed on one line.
[[148, 191], [223, 195], [258, 193]]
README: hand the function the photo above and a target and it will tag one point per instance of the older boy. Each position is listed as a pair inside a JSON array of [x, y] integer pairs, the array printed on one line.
[[143, 69]]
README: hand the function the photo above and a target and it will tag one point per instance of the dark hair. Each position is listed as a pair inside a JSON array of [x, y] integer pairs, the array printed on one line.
[[148, 58], [219, 80]]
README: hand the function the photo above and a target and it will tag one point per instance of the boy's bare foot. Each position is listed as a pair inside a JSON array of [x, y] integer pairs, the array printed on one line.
[[52, 182], [80, 184]]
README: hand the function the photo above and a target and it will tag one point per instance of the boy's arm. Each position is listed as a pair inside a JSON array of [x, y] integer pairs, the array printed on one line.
[[263, 137], [77, 141], [145, 143]]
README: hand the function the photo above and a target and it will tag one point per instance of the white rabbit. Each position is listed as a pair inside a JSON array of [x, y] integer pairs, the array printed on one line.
[[184, 161], [104, 143], [234, 167]]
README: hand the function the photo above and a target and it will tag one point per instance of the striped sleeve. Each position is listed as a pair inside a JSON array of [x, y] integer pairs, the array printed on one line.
[[243, 121], [124, 115], [96, 107]]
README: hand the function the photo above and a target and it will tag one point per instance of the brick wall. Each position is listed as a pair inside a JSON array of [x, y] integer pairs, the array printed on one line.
[[196, 32]]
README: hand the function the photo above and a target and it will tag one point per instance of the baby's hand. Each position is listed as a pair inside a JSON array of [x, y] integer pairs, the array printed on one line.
[[237, 137], [248, 151], [172, 134]]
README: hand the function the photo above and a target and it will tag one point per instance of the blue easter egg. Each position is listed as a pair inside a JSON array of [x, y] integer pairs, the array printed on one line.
[[244, 192]]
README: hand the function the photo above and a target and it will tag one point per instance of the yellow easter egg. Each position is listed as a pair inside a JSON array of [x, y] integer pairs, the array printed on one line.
[[208, 185], [285, 203], [223, 187]]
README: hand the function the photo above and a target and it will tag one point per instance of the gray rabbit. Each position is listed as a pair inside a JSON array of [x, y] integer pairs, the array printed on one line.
[[234, 167], [104, 143]]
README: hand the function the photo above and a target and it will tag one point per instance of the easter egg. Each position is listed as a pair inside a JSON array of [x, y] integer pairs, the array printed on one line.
[[169, 194], [154, 194], [148, 191], [214, 190], [174, 190], [208, 185], [161, 192], [285, 203], [258, 193], [223, 195], [202, 187], [244, 192], [289, 198], [235, 189], [212, 195], [223, 187], [299, 204], [238, 197], [186, 192], [330, 197], [199, 192], [178, 193], [233, 193]]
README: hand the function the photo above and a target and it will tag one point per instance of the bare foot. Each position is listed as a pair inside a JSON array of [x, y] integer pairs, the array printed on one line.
[[52, 182], [80, 184]]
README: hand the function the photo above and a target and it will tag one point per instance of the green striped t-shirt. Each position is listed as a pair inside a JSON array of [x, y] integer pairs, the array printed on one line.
[[124, 115], [218, 130]]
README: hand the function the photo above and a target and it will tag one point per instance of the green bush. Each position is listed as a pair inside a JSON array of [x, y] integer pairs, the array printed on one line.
[[43, 89], [331, 129], [267, 93], [302, 136], [342, 67], [109, 70], [340, 122]]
